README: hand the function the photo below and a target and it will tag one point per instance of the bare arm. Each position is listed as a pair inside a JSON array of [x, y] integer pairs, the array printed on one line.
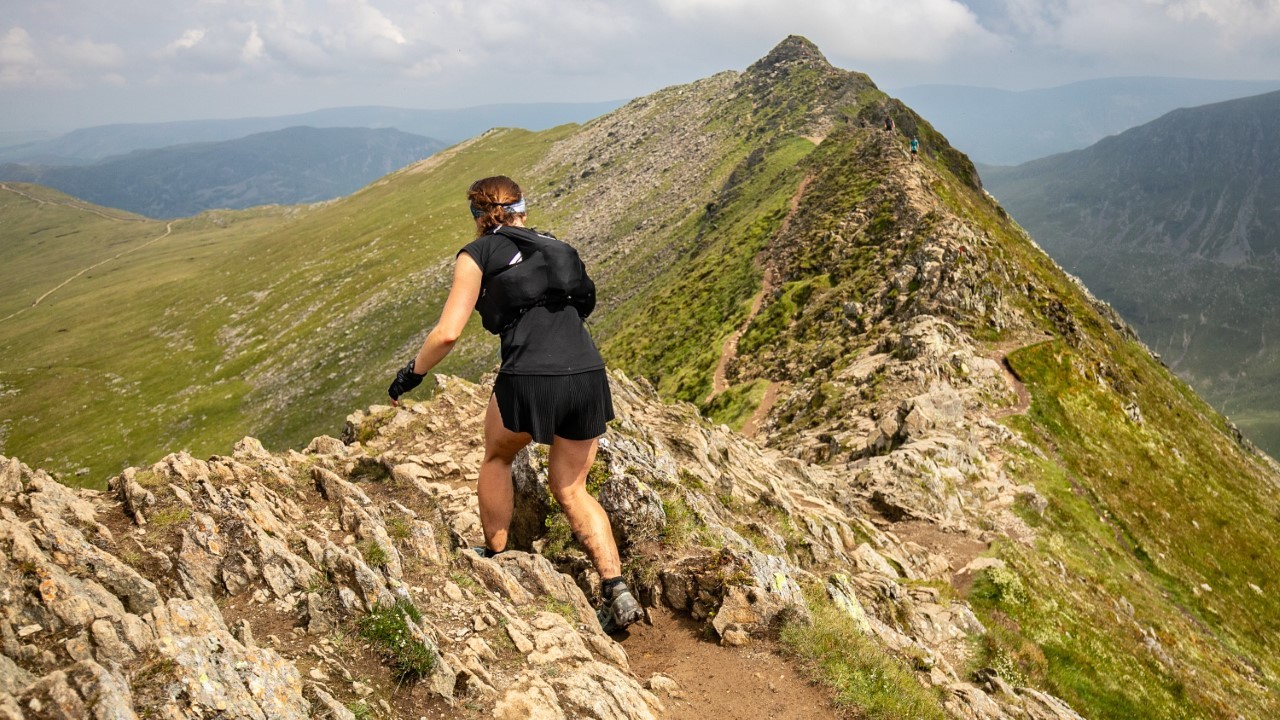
[[453, 318]]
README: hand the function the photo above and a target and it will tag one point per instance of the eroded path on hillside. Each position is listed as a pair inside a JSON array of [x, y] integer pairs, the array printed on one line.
[[729, 351], [168, 229], [724, 683]]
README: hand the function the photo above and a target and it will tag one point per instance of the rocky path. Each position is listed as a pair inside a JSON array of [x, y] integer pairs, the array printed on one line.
[[753, 424], [720, 682]]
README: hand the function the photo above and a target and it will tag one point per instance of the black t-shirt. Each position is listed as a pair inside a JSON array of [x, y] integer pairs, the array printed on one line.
[[547, 340]]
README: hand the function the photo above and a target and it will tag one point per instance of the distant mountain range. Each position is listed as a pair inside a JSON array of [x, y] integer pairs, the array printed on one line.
[[451, 126], [977, 487], [1177, 223], [1002, 127], [294, 165]]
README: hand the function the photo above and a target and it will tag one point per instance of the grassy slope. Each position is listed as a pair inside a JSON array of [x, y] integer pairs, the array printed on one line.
[[1133, 507], [354, 284], [1141, 515], [271, 322]]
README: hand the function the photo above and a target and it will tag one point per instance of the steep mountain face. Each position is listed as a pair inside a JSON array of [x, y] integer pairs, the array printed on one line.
[[966, 478], [1177, 223], [1003, 127], [294, 165]]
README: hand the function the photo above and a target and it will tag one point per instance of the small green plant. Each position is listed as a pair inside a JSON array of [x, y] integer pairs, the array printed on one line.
[[865, 679], [998, 586], [681, 522], [597, 476], [398, 527], [317, 583], [360, 710], [168, 517], [561, 608], [148, 479], [386, 628], [464, 581], [373, 553]]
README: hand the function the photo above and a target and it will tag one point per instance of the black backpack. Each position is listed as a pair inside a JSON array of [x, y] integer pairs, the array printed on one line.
[[549, 273]]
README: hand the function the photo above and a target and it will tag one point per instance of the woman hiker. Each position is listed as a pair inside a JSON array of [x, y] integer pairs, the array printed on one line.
[[533, 291]]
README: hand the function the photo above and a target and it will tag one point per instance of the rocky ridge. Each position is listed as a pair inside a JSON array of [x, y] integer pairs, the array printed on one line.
[[238, 586]]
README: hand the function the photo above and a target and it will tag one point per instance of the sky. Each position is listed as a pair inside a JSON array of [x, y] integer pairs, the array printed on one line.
[[76, 63]]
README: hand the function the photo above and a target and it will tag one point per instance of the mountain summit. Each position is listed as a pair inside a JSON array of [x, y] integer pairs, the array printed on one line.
[[794, 51], [860, 413]]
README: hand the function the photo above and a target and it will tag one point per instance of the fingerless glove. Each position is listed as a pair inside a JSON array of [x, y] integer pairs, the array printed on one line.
[[406, 380]]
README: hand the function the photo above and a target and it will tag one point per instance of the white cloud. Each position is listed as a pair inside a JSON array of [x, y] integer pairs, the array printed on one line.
[[1161, 37], [84, 52], [458, 52], [188, 40], [253, 46], [21, 65], [16, 49], [860, 30]]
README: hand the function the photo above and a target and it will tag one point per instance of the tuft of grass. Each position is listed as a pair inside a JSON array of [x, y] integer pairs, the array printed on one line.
[[386, 628], [317, 583], [681, 525], [169, 517], [360, 710], [398, 527], [867, 682], [561, 608], [374, 554]]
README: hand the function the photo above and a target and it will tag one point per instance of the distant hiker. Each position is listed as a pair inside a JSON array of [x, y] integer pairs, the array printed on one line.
[[533, 291], [915, 149], [888, 124]]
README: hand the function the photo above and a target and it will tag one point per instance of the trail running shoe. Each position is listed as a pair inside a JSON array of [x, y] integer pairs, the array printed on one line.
[[620, 609], [484, 552]]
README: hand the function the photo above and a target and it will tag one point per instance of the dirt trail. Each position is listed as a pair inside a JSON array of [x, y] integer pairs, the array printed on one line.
[[168, 228], [752, 427], [721, 683], [719, 381], [1001, 355]]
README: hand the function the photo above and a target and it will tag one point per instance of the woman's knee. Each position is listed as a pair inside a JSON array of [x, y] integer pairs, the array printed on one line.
[[569, 496]]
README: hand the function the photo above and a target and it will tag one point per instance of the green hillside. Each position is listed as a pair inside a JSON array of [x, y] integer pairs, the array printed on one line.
[[1177, 224], [275, 321], [764, 250]]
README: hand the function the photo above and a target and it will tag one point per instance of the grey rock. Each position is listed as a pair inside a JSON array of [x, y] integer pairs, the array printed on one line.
[[634, 509], [12, 677], [12, 475], [529, 698], [328, 706]]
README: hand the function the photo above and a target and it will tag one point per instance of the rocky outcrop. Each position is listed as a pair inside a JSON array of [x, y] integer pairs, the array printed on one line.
[[258, 585], [261, 585]]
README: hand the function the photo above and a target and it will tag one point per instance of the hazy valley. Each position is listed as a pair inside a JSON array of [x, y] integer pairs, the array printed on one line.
[[1177, 223]]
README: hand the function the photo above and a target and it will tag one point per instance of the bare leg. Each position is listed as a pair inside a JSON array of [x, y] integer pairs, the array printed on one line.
[[496, 494], [567, 470]]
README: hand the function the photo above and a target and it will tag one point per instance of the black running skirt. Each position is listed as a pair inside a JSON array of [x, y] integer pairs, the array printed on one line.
[[575, 407]]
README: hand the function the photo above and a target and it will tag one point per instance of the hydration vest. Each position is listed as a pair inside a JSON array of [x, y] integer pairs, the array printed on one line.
[[549, 273]]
